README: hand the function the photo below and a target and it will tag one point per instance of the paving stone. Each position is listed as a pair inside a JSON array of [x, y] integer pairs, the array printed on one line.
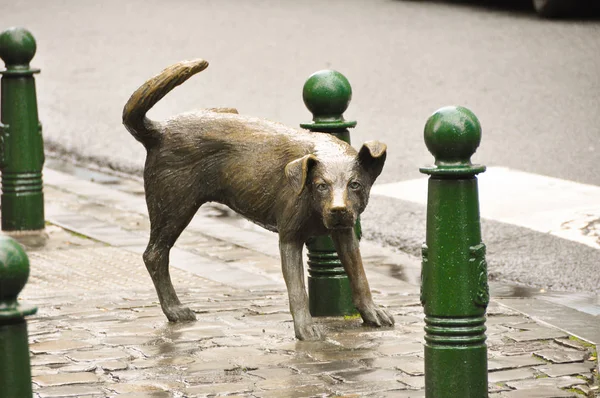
[[555, 382], [71, 391], [292, 381], [366, 388], [41, 359], [402, 394], [513, 374], [325, 367], [110, 366], [538, 334], [340, 355], [98, 355], [561, 356], [296, 392], [221, 389], [42, 370], [555, 370], [544, 392], [513, 362], [79, 367], [62, 379], [414, 382], [364, 375], [140, 387], [53, 346], [395, 348]]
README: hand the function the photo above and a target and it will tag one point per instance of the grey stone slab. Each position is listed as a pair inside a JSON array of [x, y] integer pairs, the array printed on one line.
[[239, 388], [539, 334], [512, 374], [402, 394], [561, 356], [364, 375], [325, 367], [577, 368], [398, 348], [544, 392], [110, 366], [414, 382], [367, 388], [71, 391], [98, 355], [53, 346], [513, 362], [574, 322], [296, 392], [42, 359], [554, 382], [62, 379]]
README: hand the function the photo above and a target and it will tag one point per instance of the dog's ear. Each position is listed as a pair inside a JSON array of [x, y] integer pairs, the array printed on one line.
[[297, 170], [371, 157]]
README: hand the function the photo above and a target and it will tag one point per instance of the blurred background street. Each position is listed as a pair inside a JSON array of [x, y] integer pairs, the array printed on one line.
[[533, 83]]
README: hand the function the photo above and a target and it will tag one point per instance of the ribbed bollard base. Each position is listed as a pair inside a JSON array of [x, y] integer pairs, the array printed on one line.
[[22, 202], [455, 357], [329, 289]]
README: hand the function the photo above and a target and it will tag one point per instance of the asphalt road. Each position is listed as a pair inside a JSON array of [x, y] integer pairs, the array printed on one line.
[[534, 84]]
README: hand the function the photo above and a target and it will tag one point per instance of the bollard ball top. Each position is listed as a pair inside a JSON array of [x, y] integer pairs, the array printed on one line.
[[17, 47], [452, 134], [327, 94], [14, 269]]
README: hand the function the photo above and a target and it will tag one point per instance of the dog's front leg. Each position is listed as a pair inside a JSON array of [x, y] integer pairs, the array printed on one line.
[[293, 273], [348, 250]]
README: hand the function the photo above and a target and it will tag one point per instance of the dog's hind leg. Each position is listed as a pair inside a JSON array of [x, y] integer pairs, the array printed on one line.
[[166, 224]]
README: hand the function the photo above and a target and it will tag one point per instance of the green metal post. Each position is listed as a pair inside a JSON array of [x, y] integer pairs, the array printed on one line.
[[21, 143], [327, 94], [15, 368], [454, 287]]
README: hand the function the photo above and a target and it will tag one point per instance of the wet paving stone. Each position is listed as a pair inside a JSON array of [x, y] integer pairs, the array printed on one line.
[[223, 389], [513, 374], [539, 334], [325, 367], [364, 375], [544, 392], [62, 379], [561, 356], [98, 355], [413, 382], [367, 388], [558, 382], [512, 362], [577, 368], [54, 346], [41, 359], [71, 391]]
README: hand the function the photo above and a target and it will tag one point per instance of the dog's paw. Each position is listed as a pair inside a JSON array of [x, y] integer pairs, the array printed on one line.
[[376, 316], [179, 313], [310, 332]]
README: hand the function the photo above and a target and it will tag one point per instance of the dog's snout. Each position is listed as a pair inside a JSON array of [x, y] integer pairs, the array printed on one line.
[[338, 209]]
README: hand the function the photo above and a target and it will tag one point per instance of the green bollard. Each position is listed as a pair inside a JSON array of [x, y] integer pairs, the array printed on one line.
[[21, 143], [454, 287], [15, 370], [327, 94]]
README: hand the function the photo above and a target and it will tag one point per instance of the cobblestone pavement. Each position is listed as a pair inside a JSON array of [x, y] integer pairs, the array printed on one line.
[[99, 330]]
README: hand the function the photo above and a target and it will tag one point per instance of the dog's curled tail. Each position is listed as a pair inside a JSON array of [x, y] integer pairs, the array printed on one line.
[[144, 98]]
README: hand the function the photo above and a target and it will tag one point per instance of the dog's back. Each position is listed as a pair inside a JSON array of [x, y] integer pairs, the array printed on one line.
[[237, 160]]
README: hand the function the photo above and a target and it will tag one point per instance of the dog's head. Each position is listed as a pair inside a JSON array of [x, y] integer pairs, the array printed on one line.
[[338, 185]]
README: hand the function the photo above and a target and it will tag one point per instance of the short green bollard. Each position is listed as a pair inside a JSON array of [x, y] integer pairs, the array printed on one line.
[[21, 143], [327, 94], [15, 367], [454, 286]]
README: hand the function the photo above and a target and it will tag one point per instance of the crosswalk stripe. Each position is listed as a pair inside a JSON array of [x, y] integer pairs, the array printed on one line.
[[563, 208]]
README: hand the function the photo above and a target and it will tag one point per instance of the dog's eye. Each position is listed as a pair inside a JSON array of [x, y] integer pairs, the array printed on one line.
[[322, 187], [354, 185]]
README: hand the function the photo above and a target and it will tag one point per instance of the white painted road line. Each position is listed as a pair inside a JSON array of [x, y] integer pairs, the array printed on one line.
[[563, 208]]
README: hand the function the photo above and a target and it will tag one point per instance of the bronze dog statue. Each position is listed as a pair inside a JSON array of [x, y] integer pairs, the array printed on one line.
[[293, 182]]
